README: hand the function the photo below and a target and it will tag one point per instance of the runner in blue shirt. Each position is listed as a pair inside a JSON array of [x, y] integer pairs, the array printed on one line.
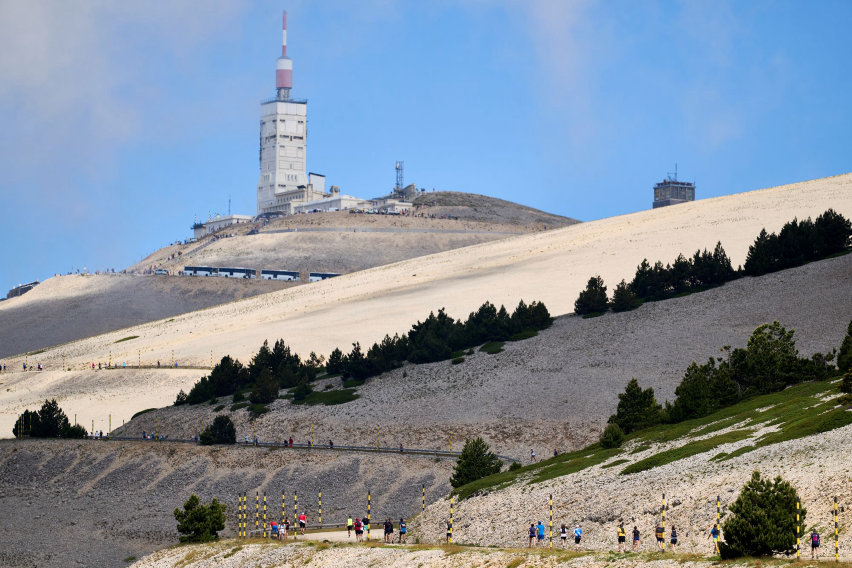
[[540, 533], [578, 536]]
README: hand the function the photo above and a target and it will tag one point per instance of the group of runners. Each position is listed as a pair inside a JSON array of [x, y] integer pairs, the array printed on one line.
[[536, 535], [360, 527], [280, 531]]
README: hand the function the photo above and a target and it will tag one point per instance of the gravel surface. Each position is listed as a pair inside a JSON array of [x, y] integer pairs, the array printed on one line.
[[556, 389], [97, 503], [234, 554]]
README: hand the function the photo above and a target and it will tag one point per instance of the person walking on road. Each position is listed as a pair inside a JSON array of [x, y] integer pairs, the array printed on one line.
[[578, 537], [622, 536], [349, 526], [714, 534], [637, 544]]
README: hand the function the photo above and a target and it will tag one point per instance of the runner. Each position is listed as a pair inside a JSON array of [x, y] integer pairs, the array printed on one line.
[[286, 529], [578, 536], [621, 536], [388, 530], [349, 526], [814, 543], [532, 455], [714, 533], [636, 542], [563, 534], [660, 534], [674, 538], [403, 529], [359, 529], [540, 528], [303, 520], [532, 534]]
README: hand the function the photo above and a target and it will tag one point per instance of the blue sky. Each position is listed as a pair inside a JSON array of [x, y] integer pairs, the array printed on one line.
[[120, 122]]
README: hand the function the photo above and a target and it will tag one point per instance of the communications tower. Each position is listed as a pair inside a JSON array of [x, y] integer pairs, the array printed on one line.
[[283, 181]]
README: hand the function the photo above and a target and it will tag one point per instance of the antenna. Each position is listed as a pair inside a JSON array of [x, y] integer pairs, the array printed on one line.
[[400, 175], [670, 176]]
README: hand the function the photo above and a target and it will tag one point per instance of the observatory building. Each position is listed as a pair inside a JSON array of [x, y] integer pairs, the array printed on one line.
[[670, 191], [284, 182]]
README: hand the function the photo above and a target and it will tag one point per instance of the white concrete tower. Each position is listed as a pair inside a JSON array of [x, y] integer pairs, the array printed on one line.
[[283, 180]]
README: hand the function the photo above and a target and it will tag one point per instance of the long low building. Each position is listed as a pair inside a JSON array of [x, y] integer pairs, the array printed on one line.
[[219, 222], [336, 201]]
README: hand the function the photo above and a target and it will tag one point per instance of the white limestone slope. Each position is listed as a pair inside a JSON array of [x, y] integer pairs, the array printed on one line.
[[552, 266]]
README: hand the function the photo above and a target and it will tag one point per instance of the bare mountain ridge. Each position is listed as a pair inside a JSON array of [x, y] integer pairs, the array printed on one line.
[[75, 307]]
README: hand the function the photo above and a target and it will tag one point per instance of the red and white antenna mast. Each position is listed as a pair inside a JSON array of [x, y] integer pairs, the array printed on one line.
[[284, 67]]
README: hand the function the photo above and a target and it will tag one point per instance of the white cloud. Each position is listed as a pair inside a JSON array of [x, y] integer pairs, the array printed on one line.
[[77, 77]]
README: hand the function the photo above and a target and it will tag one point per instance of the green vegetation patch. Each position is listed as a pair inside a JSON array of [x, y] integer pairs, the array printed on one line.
[[685, 451], [562, 464], [128, 338], [238, 405], [258, 409], [574, 462], [329, 398], [640, 448], [219, 408], [492, 347], [525, 334], [352, 383], [141, 412], [39, 352], [457, 360], [614, 463], [735, 453]]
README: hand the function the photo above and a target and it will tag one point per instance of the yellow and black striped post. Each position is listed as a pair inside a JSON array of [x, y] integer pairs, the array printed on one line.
[[239, 513], [173, 358], [836, 544], [109, 430], [450, 540], [295, 512], [264, 515], [256, 511], [245, 513], [551, 521], [140, 358], [92, 431], [110, 358], [369, 512], [798, 532], [319, 499], [423, 500], [663, 513], [283, 508]]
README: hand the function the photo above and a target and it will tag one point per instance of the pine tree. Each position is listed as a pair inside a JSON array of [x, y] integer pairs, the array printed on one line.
[[844, 357], [763, 520], [221, 431], [612, 436], [198, 522], [637, 408], [265, 390], [475, 462], [592, 300], [623, 298]]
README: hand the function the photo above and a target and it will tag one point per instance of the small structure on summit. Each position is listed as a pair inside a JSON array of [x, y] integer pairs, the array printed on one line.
[[670, 191]]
